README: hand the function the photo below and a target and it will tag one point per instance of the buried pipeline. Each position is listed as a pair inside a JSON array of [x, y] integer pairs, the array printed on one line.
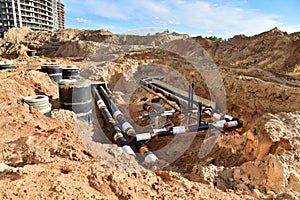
[[114, 129], [125, 136], [203, 106], [106, 105]]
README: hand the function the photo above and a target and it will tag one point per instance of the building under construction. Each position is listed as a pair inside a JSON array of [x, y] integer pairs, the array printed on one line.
[[35, 14], [61, 15]]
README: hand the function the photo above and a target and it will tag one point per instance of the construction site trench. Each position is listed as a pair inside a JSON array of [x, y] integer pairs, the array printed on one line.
[[251, 95], [258, 84]]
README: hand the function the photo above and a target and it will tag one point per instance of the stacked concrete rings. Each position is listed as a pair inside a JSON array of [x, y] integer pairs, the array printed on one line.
[[54, 71], [7, 65], [71, 72], [75, 95], [39, 102]]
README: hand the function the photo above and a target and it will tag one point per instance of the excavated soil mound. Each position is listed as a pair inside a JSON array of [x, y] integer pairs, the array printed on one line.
[[254, 91], [63, 157], [44, 158]]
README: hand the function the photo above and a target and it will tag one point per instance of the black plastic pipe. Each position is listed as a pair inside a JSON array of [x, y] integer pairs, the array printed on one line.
[[127, 128], [114, 129], [171, 131]]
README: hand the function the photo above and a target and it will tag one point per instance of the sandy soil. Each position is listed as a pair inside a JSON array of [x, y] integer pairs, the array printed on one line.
[[64, 158]]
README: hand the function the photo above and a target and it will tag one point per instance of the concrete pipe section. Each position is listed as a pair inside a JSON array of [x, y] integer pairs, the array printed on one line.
[[70, 72], [75, 95], [7, 65], [53, 70], [39, 102], [31, 53]]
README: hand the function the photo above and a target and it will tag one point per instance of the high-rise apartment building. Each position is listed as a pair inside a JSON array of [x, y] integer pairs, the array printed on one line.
[[61, 15], [35, 14]]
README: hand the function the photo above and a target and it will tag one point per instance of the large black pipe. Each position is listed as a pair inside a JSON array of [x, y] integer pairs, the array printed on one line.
[[171, 131], [221, 125], [161, 112], [126, 127], [173, 93], [114, 129]]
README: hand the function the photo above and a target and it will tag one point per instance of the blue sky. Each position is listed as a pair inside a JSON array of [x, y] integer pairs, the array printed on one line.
[[222, 18]]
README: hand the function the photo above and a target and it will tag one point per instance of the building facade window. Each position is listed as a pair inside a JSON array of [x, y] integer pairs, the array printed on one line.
[[35, 14]]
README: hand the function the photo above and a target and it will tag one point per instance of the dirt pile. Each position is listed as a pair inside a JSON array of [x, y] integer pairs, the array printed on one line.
[[259, 84], [253, 90], [72, 42], [65, 43], [274, 51], [45, 158]]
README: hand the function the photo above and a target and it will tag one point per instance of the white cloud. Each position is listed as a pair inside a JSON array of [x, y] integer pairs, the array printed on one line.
[[108, 27], [144, 31], [225, 18], [81, 20], [159, 22], [204, 16], [289, 28]]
